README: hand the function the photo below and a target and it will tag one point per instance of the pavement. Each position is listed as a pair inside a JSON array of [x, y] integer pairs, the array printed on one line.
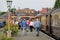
[[32, 36]]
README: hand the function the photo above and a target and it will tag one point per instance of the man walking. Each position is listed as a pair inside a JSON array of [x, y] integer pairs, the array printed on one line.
[[37, 26]]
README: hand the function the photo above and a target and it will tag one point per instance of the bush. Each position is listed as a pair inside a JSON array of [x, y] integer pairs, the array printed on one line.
[[14, 29], [4, 37], [9, 38], [5, 29]]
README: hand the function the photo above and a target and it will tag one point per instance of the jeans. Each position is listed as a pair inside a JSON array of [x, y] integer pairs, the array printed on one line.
[[37, 31], [24, 31]]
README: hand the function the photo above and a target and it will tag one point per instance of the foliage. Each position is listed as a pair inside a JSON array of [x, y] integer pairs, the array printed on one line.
[[3, 37], [13, 28], [12, 10], [2, 13], [9, 38], [57, 4], [5, 29]]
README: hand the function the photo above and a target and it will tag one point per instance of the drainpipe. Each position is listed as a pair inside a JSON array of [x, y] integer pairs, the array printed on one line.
[[49, 24], [46, 23]]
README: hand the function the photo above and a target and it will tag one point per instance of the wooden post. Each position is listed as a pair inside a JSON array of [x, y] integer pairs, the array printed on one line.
[[8, 32]]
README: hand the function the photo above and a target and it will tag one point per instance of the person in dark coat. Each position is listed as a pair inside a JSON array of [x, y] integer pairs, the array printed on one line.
[[19, 25]]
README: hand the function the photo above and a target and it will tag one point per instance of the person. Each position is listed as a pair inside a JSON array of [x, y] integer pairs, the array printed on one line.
[[24, 25], [31, 25], [4, 22], [37, 25], [16, 22], [19, 25], [28, 24]]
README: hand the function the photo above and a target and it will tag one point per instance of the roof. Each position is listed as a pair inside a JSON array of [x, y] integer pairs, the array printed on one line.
[[44, 10]]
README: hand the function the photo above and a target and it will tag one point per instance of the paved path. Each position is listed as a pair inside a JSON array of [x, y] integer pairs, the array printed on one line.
[[32, 36]]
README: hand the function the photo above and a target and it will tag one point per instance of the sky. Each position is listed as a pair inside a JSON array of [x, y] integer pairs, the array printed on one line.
[[32, 4]]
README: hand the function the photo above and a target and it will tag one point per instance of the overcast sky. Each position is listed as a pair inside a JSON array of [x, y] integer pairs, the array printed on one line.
[[32, 4]]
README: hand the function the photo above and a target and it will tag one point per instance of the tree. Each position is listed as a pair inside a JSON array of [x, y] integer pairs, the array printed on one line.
[[13, 10], [1, 13], [57, 4]]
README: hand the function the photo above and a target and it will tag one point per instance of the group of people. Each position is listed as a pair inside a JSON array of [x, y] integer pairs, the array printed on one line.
[[30, 25]]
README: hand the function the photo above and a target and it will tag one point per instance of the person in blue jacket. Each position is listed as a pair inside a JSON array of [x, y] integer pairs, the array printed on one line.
[[37, 25], [24, 25]]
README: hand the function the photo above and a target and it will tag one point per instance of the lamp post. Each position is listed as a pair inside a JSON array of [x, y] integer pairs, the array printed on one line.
[[9, 3]]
